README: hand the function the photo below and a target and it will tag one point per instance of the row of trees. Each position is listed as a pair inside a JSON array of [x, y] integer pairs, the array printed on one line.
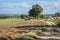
[[35, 12], [57, 14], [4, 16], [23, 16]]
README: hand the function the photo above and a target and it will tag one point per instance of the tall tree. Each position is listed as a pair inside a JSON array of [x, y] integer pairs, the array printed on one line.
[[35, 11]]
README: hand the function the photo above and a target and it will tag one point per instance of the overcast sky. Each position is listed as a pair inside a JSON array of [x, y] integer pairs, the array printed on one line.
[[23, 6]]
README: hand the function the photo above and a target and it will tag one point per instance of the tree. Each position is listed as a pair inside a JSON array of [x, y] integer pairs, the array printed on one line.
[[57, 14], [35, 11]]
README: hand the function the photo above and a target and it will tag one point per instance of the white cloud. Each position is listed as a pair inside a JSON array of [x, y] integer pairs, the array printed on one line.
[[47, 6], [57, 5], [25, 5]]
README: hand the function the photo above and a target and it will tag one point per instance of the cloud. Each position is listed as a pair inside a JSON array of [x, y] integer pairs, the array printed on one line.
[[14, 7], [48, 6], [25, 5]]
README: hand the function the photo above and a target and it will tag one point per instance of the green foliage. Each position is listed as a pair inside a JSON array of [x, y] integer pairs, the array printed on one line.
[[57, 14], [25, 38], [46, 26], [35, 11], [29, 36], [38, 32], [3, 16], [4, 21], [58, 24], [41, 16], [43, 29], [23, 16]]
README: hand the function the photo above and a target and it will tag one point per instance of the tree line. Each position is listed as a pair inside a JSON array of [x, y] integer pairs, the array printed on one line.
[[34, 12]]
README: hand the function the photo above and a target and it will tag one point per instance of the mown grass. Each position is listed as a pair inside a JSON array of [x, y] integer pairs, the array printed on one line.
[[3, 21]]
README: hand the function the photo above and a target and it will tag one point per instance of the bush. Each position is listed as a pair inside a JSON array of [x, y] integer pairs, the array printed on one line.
[[43, 29], [58, 24], [38, 32], [46, 26], [23, 16], [41, 16]]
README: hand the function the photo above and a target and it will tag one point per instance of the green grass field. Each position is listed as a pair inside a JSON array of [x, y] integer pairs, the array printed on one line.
[[10, 20]]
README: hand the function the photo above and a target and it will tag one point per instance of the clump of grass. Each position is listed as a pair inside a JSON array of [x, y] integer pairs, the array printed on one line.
[[24, 38], [44, 29], [37, 32], [28, 36], [46, 26]]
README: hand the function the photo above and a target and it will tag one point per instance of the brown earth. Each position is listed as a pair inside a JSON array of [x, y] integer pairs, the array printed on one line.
[[13, 30]]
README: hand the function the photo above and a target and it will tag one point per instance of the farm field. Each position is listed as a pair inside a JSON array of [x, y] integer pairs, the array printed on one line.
[[4, 21], [13, 30], [29, 20]]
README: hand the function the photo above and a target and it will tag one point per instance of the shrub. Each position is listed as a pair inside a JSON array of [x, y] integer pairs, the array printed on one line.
[[41, 16], [58, 24], [46, 26], [23, 16], [43, 29], [38, 33]]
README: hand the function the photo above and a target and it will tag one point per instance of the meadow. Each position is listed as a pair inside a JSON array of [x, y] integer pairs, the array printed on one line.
[[4, 21]]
